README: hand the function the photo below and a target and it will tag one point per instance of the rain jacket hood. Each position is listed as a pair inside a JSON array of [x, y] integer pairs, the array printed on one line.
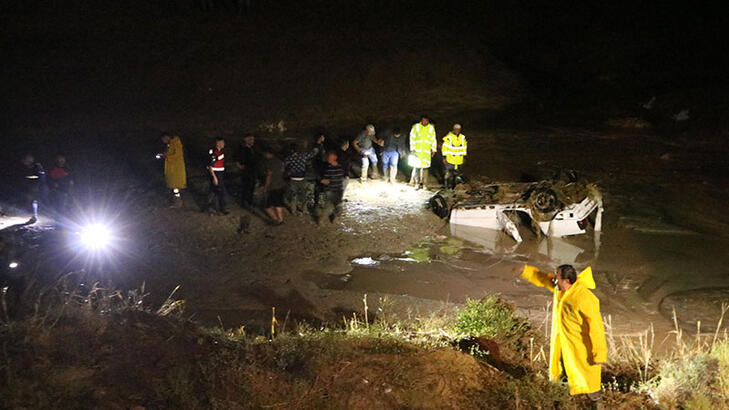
[[577, 342]]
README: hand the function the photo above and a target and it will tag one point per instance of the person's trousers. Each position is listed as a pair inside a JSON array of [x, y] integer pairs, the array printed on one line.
[[451, 172], [248, 188], [389, 159], [217, 192], [297, 193], [420, 176], [331, 204], [369, 156]]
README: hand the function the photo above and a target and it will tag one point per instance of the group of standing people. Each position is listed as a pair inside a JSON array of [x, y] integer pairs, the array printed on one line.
[[422, 145], [321, 171], [38, 186]]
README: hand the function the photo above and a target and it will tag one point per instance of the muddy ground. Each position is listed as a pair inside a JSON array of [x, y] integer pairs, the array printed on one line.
[[657, 249], [657, 252]]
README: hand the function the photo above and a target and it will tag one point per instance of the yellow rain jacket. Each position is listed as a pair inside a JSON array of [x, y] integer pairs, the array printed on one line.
[[175, 175], [423, 143], [578, 336], [454, 148]]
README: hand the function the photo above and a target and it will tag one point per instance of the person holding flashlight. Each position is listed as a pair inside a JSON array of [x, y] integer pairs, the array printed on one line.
[[216, 169], [33, 182], [175, 175], [423, 145]]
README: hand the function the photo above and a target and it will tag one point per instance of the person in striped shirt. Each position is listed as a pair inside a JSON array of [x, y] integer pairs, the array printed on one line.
[[333, 182]]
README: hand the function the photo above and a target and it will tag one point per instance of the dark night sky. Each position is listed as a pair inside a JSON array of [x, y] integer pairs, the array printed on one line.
[[570, 53]]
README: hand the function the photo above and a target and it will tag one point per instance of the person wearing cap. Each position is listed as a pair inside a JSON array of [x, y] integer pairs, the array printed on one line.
[[454, 150], [363, 145], [423, 145], [175, 175]]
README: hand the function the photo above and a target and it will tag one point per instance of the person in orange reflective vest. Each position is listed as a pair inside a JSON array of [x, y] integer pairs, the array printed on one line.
[[454, 150], [216, 169]]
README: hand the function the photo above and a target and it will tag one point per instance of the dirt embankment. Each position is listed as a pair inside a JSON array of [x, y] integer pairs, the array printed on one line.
[[114, 354]]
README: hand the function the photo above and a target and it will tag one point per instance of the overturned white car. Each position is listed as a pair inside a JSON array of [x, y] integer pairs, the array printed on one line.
[[554, 208]]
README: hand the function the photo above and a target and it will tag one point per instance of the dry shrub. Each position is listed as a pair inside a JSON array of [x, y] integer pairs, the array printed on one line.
[[694, 374]]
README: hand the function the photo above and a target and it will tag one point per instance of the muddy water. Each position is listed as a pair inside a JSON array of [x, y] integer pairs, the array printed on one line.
[[643, 270]]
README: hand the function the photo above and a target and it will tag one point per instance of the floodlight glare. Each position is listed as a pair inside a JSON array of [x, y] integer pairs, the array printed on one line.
[[95, 236], [13, 265]]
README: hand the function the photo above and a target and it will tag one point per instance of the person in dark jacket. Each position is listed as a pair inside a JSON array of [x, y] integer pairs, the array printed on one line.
[[33, 184], [344, 158], [247, 161], [394, 148], [274, 186]]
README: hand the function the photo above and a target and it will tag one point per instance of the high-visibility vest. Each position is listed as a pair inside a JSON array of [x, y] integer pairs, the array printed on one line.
[[454, 148], [423, 142], [217, 160]]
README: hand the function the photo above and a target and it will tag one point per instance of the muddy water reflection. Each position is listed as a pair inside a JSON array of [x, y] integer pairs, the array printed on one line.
[[641, 274]]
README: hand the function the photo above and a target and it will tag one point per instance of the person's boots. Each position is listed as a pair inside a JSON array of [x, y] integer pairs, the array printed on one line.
[[393, 174], [424, 179], [375, 172], [412, 177], [363, 177], [176, 202]]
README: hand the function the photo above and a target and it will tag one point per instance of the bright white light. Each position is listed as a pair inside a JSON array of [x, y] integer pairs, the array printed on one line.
[[95, 236], [366, 261], [13, 265]]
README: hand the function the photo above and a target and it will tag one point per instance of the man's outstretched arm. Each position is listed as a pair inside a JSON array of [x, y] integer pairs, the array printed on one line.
[[541, 279]]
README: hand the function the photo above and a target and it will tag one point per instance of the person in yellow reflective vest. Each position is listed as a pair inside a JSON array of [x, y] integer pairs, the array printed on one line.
[[454, 150], [175, 174], [577, 341], [423, 145]]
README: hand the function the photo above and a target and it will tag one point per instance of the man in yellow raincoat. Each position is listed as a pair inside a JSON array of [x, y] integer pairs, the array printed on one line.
[[577, 340], [423, 145], [175, 175]]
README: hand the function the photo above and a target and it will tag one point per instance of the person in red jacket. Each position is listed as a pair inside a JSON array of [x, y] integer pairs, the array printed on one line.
[[60, 182], [216, 169]]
